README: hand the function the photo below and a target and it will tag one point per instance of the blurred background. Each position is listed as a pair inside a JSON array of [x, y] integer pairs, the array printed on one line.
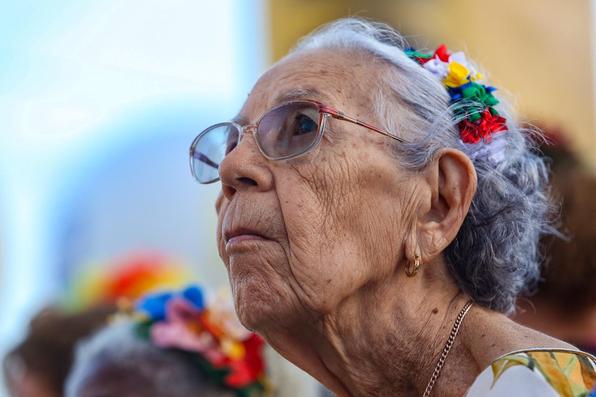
[[99, 102]]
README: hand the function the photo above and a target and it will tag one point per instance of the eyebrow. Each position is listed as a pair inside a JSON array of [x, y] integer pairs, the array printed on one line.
[[241, 120], [300, 93], [294, 94]]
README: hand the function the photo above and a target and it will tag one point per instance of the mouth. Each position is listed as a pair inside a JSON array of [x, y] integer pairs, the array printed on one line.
[[240, 235]]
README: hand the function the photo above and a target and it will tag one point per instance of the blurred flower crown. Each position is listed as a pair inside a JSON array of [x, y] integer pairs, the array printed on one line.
[[228, 354], [475, 103], [129, 277]]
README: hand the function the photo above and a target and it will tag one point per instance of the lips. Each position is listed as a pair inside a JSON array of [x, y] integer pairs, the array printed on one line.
[[240, 234], [246, 223]]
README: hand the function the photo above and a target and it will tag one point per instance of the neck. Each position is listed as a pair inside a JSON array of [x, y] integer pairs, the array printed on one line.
[[386, 339]]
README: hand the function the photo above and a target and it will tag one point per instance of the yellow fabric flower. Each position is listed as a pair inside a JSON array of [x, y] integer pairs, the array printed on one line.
[[233, 349], [458, 75]]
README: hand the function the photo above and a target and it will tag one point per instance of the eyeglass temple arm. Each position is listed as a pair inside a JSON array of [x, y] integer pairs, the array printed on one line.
[[207, 160], [341, 116]]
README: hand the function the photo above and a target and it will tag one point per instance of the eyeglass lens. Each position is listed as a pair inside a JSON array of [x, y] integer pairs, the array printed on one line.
[[284, 132]]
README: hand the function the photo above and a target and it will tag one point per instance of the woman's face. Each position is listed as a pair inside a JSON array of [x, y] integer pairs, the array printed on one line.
[[299, 236]]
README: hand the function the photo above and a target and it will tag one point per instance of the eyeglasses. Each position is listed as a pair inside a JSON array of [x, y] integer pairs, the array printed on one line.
[[285, 132]]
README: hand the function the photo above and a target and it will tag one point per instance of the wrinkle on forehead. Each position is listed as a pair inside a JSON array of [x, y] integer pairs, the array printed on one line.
[[289, 95], [301, 93], [338, 78]]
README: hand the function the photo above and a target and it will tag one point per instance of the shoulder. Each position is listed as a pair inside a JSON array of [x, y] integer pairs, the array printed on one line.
[[489, 335], [538, 372]]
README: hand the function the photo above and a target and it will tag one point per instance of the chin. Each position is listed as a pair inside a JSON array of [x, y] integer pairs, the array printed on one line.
[[259, 303]]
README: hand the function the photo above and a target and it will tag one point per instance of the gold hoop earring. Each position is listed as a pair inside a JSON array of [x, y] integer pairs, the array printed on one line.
[[412, 269]]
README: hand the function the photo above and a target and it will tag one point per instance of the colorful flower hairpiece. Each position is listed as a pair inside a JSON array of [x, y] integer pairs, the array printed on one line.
[[475, 101], [230, 355], [127, 278]]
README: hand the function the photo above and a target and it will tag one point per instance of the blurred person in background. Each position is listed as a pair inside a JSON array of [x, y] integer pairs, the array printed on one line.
[[117, 363], [380, 213], [174, 345], [565, 303], [39, 365]]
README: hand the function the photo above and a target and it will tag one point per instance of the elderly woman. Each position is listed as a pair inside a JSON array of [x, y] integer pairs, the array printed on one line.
[[379, 214]]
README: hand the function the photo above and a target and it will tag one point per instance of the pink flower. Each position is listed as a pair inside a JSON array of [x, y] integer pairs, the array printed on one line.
[[181, 331]]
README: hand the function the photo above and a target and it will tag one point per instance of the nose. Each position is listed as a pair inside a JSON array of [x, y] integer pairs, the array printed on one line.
[[244, 168]]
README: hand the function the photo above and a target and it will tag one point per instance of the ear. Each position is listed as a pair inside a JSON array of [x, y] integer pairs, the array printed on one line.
[[452, 182]]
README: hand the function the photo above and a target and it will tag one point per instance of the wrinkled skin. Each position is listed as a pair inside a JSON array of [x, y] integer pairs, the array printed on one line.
[[323, 241], [324, 280]]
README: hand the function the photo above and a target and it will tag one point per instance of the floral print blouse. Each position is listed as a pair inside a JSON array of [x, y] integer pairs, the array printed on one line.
[[538, 373]]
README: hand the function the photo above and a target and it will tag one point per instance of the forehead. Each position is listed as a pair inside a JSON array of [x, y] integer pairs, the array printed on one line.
[[334, 77]]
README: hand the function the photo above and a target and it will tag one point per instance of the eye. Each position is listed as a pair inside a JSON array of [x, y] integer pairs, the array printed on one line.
[[232, 139], [231, 145], [304, 125]]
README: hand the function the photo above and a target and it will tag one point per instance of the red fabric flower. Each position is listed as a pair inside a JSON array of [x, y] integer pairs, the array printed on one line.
[[473, 132], [442, 53], [241, 375], [251, 367], [254, 353]]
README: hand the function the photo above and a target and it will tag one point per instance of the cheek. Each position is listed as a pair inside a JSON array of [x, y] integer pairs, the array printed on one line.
[[328, 260], [343, 222], [221, 211], [324, 257], [258, 271]]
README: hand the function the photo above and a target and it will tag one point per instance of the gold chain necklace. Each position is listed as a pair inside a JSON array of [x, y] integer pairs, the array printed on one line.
[[447, 348]]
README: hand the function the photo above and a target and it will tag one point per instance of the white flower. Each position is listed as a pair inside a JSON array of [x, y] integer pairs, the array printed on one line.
[[437, 67], [494, 150], [460, 58]]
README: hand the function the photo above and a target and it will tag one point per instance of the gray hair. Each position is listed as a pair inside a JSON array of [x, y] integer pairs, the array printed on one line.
[[151, 371], [495, 255]]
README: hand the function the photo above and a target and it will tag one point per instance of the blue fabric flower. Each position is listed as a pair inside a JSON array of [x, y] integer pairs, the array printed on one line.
[[154, 305], [194, 295]]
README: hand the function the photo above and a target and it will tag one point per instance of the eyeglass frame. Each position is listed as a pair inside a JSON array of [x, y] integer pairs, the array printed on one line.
[[324, 112]]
